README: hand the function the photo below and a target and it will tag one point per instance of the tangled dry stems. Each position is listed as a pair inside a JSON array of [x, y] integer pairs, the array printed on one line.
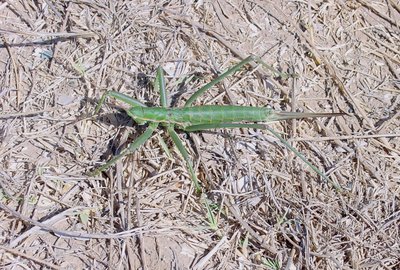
[[58, 58]]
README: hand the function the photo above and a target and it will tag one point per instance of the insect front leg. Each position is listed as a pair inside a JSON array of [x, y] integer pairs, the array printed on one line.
[[118, 96]]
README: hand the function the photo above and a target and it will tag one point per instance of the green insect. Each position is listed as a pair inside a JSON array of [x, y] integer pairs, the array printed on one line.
[[197, 118]]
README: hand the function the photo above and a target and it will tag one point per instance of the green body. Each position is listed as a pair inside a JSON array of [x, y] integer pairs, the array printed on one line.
[[212, 114], [209, 114]]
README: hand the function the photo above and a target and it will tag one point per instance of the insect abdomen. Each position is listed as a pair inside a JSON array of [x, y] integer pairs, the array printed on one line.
[[208, 114], [211, 114]]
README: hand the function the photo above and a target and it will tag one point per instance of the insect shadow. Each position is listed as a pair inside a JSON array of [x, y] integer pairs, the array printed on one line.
[[119, 119]]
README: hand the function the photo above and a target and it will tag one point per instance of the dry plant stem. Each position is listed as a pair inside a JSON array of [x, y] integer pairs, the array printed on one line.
[[236, 212], [62, 29], [83, 34], [210, 32], [29, 257], [352, 137], [289, 264], [215, 249], [131, 252], [293, 98], [15, 68], [132, 200], [394, 49], [140, 235], [23, 114], [395, 5], [380, 14], [23, 16], [79, 235], [331, 70]]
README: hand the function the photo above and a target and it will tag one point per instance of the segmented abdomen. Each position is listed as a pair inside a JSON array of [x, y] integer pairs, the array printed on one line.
[[210, 114]]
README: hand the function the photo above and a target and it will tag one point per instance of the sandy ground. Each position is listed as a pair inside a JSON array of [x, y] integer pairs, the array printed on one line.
[[269, 209]]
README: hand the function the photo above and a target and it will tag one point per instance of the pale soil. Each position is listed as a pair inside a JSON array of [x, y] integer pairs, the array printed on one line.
[[58, 57]]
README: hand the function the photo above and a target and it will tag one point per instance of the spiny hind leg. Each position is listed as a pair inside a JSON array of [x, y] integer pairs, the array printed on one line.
[[230, 71], [185, 156]]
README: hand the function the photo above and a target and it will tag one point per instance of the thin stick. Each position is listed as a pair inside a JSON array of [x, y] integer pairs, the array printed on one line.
[[29, 257], [15, 69], [205, 259], [350, 137], [14, 115], [74, 234]]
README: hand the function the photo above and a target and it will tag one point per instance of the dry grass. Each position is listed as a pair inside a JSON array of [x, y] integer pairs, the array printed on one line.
[[57, 58]]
